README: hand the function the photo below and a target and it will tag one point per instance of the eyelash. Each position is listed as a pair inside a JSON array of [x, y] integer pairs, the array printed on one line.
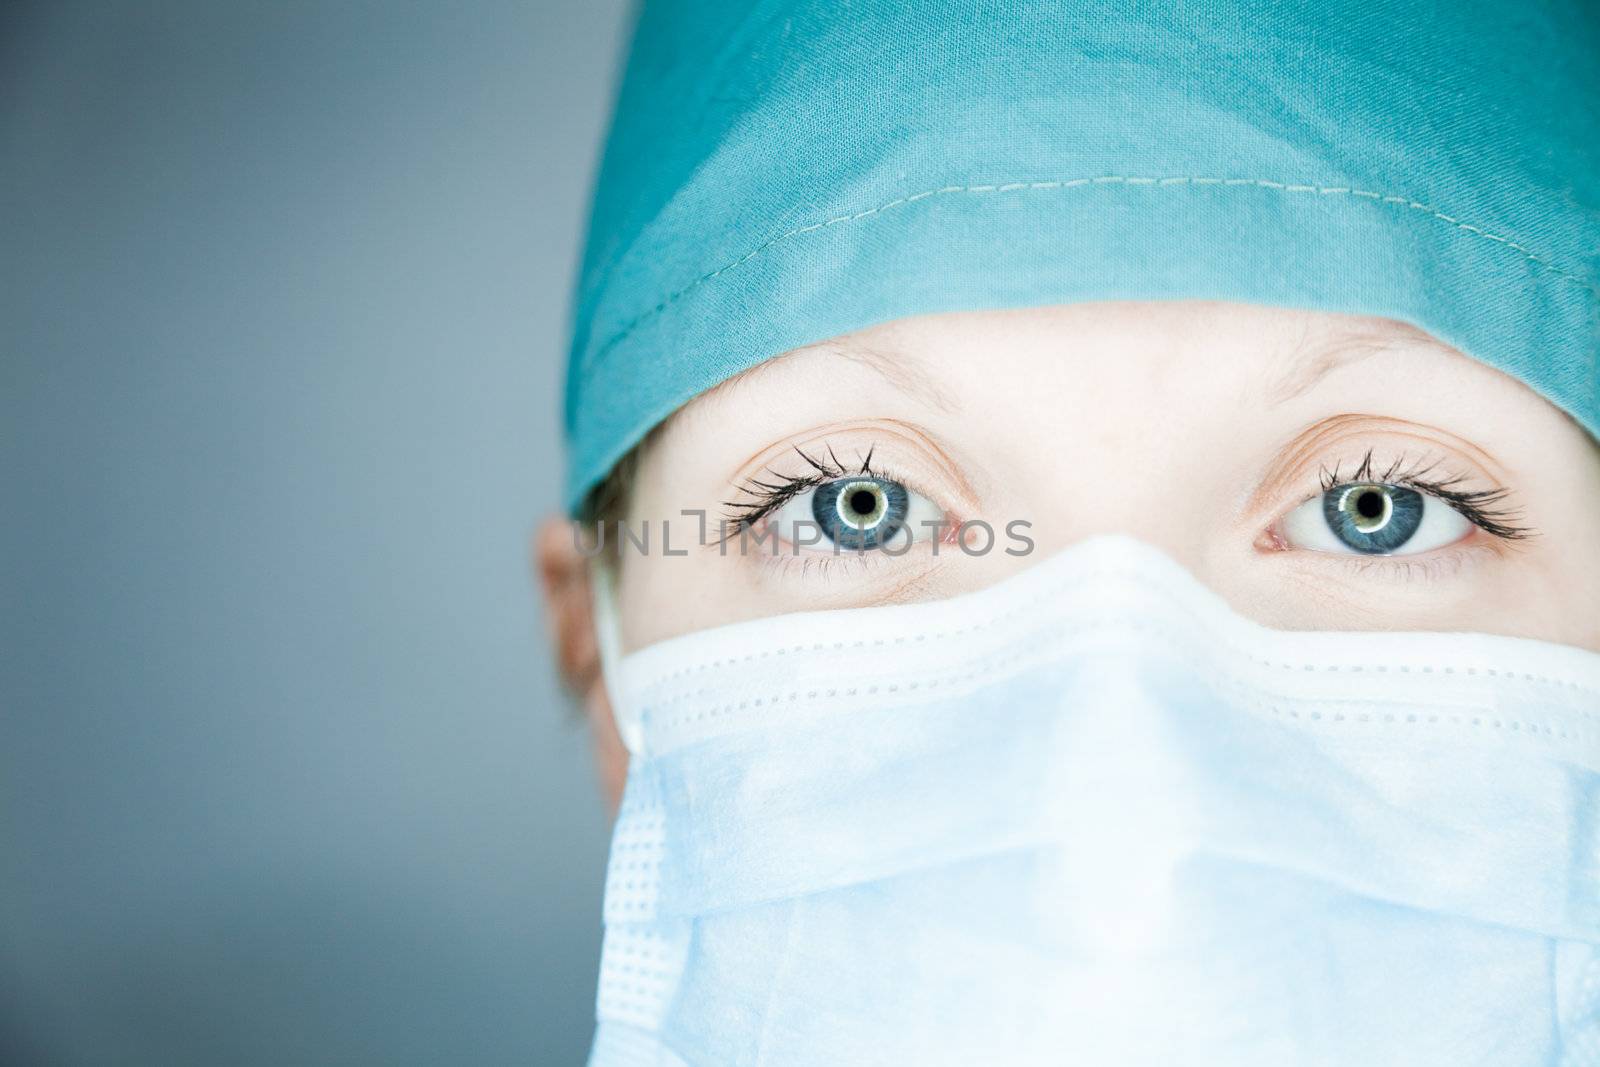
[[1481, 507], [767, 497]]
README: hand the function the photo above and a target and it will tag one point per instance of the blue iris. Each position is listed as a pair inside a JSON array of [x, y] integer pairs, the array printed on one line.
[[1371, 517], [860, 513]]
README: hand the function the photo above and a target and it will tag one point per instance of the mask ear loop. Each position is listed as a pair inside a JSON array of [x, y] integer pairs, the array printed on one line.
[[608, 636]]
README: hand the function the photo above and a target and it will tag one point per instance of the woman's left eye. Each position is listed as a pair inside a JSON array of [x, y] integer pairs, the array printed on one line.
[[1374, 518], [858, 514]]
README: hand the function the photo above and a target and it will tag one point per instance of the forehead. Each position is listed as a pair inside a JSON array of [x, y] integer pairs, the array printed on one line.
[[1082, 352]]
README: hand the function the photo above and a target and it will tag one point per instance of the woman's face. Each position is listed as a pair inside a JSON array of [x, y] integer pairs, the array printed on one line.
[[1209, 430]]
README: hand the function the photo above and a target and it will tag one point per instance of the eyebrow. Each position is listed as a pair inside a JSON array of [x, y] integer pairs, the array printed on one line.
[[895, 369], [1309, 363]]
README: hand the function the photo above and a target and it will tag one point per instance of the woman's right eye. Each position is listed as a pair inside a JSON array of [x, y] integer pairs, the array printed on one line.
[[858, 513], [1374, 518]]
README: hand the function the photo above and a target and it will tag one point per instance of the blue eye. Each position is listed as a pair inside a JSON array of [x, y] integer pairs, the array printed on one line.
[[857, 514], [1374, 518]]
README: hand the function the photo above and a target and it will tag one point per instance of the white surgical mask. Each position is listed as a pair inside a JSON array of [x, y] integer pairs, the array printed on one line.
[[1090, 815]]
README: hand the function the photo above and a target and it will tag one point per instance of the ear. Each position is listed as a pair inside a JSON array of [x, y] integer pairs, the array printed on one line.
[[569, 616]]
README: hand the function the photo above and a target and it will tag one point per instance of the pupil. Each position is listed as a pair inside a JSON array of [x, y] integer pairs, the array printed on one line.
[[860, 513], [1373, 518]]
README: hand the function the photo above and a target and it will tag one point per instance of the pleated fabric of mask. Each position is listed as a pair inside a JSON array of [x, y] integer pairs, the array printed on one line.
[[1091, 815]]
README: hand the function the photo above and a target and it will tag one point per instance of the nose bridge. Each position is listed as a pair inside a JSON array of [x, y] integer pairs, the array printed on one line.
[[1117, 746], [1117, 803], [1133, 457], [1139, 479]]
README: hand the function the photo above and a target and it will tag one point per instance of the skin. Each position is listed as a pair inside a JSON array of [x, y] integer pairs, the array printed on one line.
[[1195, 426]]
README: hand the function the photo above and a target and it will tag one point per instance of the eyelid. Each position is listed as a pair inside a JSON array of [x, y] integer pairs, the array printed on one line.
[[764, 511], [1423, 566], [900, 451], [1339, 444], [1482, 511], [1348, 437]]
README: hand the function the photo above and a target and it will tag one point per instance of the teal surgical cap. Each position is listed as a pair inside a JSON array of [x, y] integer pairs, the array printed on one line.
[[782, 172]]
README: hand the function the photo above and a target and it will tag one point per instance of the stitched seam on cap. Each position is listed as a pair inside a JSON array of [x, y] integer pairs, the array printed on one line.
[[1108, 179]]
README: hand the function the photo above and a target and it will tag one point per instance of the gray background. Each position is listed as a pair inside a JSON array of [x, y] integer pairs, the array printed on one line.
[[284, 774]]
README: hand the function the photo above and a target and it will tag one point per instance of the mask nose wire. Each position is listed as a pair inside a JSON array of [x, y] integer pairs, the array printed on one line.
[[608, 636]]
